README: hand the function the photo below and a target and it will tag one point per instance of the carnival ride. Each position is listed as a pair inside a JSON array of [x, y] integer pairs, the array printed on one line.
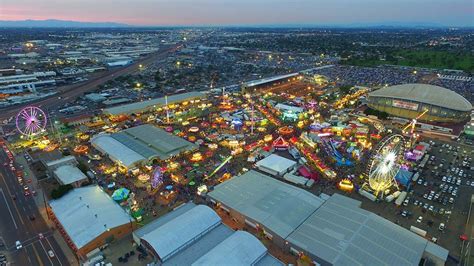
[[409, 129], [330, 148], [219, 167], [31, 121], [156, 177], [384, 164]]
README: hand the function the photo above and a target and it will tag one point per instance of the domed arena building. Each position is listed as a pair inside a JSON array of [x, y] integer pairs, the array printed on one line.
[[410, 100]]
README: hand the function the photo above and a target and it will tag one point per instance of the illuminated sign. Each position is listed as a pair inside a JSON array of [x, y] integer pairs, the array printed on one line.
[[405, 105]]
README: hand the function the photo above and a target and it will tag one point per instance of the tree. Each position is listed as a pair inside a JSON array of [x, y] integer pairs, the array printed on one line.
[[345, 89], [60, 191]]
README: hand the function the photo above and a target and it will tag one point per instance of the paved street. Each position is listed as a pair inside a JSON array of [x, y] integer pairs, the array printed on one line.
[[16, 225]]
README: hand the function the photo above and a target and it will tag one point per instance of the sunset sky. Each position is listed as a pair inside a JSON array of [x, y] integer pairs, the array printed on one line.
[[243, 12]]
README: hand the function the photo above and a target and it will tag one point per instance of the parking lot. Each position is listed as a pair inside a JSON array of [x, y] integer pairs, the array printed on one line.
[[439, 200]]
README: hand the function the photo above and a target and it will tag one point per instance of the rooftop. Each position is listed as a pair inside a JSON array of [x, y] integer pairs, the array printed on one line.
[[276, 163], [278, 206], [139, 143], [172, 236], [87, 212], [341, 233], [424, 93], [117, 151], [142, 106], [241, 248], [194, 235], [69, 174], [269, 79]]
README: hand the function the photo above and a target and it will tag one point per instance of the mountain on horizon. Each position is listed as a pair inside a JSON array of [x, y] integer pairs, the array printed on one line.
[[56, 23]]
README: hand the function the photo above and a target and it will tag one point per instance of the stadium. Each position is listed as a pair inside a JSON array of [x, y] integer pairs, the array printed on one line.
[[410, 100]]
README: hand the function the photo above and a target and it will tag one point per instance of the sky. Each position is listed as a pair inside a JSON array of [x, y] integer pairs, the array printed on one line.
[[244, 12]]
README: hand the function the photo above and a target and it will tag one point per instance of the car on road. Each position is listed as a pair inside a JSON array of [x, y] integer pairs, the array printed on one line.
[[441, 227], [41, 236], [420, 219], [18, 244], [50, 253]]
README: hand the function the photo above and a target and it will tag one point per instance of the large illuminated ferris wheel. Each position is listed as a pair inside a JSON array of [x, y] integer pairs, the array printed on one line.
[[385, 163], [31, 121]]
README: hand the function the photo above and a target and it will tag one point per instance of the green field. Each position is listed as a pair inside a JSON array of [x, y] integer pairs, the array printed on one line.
[[421, 58]]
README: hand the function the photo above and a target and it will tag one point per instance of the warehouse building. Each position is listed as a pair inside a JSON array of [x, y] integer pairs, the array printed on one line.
[[261, 201], [410, 100], [144, 106], [88, 219], [70, 175], [140, 144], [266, 83], [331, 230], [195, 235]]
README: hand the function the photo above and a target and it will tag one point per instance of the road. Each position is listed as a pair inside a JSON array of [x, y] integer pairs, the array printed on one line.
[[70, 92], [16, 225]]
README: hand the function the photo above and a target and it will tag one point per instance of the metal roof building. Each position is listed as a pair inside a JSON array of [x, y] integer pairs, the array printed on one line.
[[141, 143], [153, 103], [341, 233], [275, 164], [195, 235], [332, 230], [86, 213], [276, 205], [69, 174]]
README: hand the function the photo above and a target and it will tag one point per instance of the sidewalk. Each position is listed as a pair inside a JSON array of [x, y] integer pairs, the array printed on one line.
[[40, 202]]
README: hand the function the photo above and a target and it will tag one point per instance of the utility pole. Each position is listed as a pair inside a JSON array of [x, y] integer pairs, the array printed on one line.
[[167, 110]]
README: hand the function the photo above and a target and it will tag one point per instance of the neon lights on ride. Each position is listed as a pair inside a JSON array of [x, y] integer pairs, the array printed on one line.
[[385, 163], [156, 177], [193, 129], [31, 121], [196, 157], [346, 185], [219, 167]]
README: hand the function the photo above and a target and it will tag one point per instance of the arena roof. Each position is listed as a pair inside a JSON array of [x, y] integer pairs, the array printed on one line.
[[425, 93], [87, 212], [142, 106], [342, 233], [278, 206]]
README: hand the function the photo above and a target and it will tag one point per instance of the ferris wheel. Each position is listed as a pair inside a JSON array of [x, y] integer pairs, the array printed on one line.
[[30, 121], [385, 163]]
